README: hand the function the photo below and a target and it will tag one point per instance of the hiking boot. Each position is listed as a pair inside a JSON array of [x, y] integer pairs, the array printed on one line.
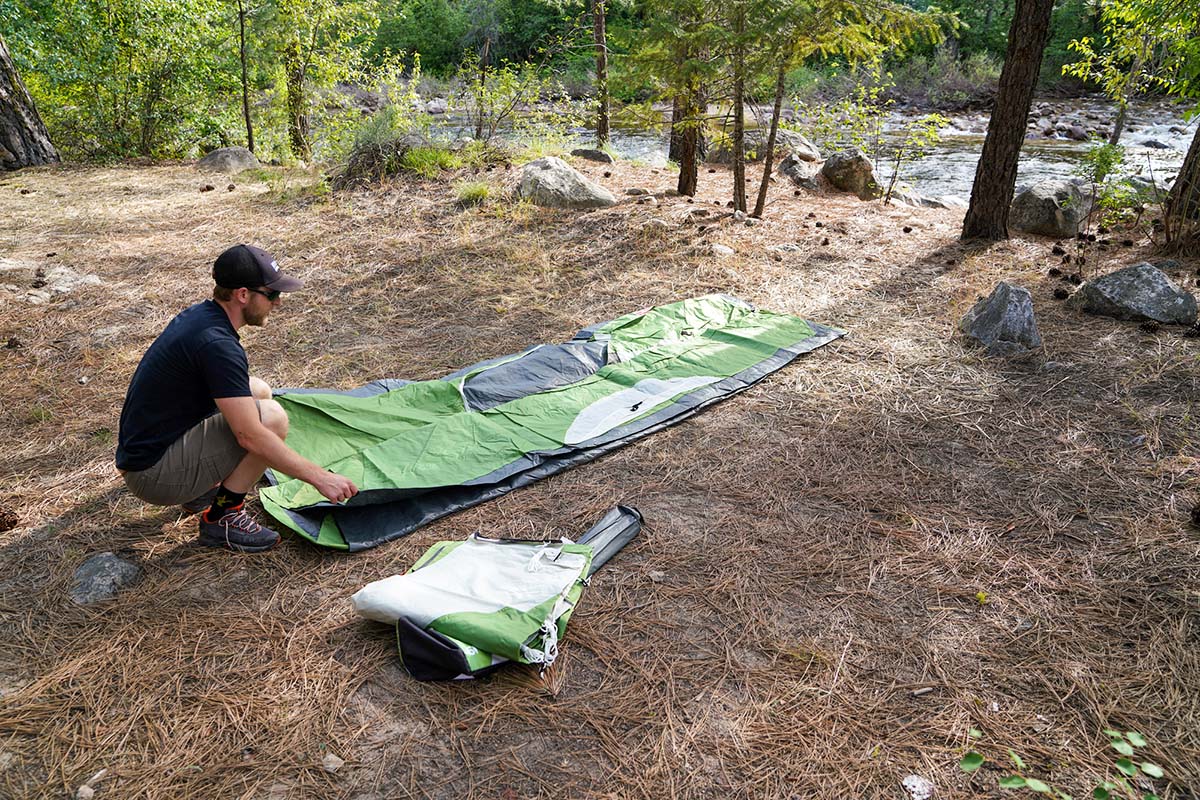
[[237, 530], [203, 502]]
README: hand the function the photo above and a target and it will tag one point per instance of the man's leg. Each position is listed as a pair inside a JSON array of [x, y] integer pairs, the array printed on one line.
[[251, 467], [260, 390]]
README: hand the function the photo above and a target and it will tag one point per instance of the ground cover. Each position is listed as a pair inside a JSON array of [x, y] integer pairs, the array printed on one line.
[[844, 570]]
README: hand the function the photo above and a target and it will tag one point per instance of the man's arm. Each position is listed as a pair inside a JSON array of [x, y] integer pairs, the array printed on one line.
[[260, 441]]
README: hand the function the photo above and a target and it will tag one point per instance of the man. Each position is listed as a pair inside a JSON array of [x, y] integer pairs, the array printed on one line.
[[196, 428]]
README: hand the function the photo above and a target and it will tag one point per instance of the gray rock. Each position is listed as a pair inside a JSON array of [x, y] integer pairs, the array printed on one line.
[[1138, 292], [1003, 321], [851, 171], [230, 160], [1155, 144], [437, 105], [1078, 133], [1149, 188], [101, 576], [636, 191], [722, 250], [909, 197], [1051, 207], [802, 173], [592, 155], [754, 143], [552, 182]]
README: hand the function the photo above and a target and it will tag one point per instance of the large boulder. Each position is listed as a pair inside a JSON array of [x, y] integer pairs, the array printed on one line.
[[592, 154], [230, 160], [1052, 207], [1003, 321], [802, 173], [851, 171], [101, 576], [1139, 292], [552, 182], [754, 144]]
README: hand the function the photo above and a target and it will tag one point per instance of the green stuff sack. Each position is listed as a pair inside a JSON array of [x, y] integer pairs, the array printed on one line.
[[467, 607]]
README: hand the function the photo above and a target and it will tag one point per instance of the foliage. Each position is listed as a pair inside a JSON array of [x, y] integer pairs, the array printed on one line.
[[1114, 785], [472, 192], [915, 140], [855, 122], [433, 29], [428, 162]]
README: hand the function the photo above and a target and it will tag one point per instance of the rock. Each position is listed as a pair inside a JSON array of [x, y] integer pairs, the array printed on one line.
[[636, 192], [785, 248], [657, 225], [331, 763], [754, 143], [908, 197], [1078, 133], [230, 160], [437, 105], [851, 171], [46, 283], [648, 200], [85, 792], [802, 173], [722, 250], [918, 788], [1138, 292], [592, 155], [657, 576], [1155, 144], [1154, 191], [101, 576], [552, 182], [1003, 321], [1050, 207]]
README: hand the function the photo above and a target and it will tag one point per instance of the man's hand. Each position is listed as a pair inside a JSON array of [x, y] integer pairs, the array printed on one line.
[[336, 488]]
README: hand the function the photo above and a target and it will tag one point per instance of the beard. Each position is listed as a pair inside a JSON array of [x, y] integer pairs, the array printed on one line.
[[255, 318]]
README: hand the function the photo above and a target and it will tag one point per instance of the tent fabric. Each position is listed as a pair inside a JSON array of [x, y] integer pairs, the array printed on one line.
[[423, 449], [466, 608]]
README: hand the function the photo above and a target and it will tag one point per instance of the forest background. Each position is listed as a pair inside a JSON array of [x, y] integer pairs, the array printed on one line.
[[163, 79]]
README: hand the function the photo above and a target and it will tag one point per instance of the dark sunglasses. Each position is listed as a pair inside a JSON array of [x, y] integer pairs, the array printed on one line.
[[270, 294]]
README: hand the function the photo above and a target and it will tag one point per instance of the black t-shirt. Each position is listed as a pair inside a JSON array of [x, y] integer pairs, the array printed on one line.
[[197, 358]]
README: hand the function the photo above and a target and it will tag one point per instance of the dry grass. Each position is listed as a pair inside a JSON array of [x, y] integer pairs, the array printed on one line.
[[824, 535]]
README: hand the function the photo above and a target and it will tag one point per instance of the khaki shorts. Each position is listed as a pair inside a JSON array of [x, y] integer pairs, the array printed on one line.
[[197, 461]]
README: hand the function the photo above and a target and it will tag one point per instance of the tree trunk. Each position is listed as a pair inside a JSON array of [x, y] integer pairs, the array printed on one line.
[[678, 114], [1181, 212], [739, 112], [769, 156], [601, 72], [996, 173], [481, 88], [297, 104], [245, 76], [1118, 125], [24, 141], [690, 141]]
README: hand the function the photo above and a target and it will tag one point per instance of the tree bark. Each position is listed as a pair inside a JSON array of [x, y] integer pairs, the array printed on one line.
[[769, 156], [245, 76], [996, 173], [690, 141], [298, 133], [1181, 211], [601, 72], [739, 111], [24, 141]]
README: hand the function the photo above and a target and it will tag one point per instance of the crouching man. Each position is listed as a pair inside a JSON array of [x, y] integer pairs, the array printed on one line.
[[196, 428]]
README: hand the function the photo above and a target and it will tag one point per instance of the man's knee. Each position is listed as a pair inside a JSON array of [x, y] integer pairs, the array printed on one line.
[[274, 417], [260, 389]]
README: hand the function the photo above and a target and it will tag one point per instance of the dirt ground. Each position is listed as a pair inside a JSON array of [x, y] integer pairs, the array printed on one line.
[[883, 546]]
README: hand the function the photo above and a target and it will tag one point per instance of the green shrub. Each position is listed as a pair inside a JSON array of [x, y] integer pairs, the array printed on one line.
[[428, 162], [472, 193]]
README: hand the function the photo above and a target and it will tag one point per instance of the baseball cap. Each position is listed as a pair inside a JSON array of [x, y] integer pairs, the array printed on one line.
[[249, 266]]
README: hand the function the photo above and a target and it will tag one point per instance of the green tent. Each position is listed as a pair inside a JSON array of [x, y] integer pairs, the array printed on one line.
[[420, 450]]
